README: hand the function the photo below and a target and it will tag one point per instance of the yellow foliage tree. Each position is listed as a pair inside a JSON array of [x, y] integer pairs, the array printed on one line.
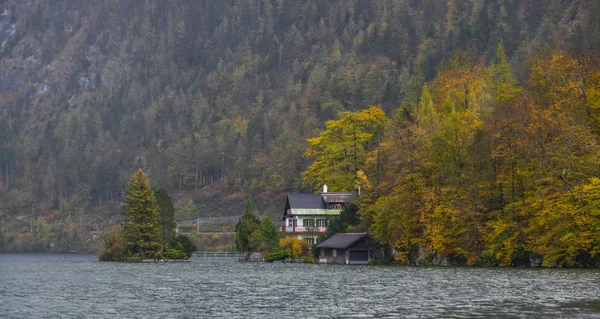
[[341, 150], [296, 247]]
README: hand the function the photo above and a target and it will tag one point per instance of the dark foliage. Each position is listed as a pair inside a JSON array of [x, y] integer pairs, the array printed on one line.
[[184, 244]]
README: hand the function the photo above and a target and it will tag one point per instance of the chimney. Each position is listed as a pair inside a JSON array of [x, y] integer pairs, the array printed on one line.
[[324, 188]]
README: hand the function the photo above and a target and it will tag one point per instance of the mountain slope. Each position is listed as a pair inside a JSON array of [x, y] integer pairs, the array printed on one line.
[[198, 92]]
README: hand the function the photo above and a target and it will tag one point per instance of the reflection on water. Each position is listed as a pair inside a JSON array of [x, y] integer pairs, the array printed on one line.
[[76, 286]]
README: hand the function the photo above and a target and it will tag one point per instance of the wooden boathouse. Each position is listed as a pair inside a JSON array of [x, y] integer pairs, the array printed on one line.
[[351, 249]]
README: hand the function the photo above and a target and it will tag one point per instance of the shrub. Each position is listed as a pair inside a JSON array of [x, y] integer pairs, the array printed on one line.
[[175, 254], [134, 259], [295, 247], [185, 244], [279, 254], [113, 245], [113, 253], [308, 259]]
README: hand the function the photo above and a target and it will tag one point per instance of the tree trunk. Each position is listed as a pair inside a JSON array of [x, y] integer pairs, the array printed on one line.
[[180, 180], [378, 170], [196, 176]]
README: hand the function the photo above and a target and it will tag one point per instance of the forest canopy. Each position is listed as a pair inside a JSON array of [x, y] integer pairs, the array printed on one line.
[[482, 171]]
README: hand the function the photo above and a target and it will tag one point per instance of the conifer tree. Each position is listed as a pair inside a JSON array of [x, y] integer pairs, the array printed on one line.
[[426, 114], [244, 228], [167, 215], [141, 227], [501, 82]]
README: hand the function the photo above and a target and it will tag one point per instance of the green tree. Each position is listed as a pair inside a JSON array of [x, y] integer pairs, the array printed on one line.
[[501, 83], [266, 237], [244, 228], [348, 218], [167, 215], [183, 244], [188, 211], [425, 113], [141, 228]]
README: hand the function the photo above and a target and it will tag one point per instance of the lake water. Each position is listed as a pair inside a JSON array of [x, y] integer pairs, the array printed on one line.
[[77, 286]]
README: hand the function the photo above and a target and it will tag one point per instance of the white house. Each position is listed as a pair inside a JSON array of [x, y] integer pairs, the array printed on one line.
[[306, 215]]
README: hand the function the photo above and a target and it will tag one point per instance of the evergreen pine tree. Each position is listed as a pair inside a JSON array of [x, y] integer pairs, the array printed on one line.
[[141, 227], [167, 215], [501, 82], [244, 228]]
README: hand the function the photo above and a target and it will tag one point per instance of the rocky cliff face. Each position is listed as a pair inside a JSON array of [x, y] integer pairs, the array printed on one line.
[[13, 14], [51, 61]]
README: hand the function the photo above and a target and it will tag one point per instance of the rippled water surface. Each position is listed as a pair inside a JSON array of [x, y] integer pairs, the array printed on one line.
[[77, 286]]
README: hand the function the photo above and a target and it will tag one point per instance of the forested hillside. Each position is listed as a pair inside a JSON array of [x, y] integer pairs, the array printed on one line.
[[214, 100]]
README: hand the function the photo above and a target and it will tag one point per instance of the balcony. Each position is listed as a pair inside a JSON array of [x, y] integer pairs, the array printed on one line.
[[303, 229]]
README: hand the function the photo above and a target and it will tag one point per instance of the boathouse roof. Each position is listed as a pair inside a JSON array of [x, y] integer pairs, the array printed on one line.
[[342, 240]]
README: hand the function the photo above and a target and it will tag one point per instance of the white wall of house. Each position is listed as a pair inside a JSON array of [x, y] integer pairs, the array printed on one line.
[[301, 226], [303, 221], [311, 238]]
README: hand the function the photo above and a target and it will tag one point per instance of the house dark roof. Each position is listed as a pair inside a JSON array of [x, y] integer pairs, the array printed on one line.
[[342, 240], [306, 200]]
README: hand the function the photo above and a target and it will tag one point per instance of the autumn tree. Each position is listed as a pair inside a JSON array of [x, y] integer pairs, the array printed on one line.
[[295, 247], [341, 150], [406, 164], [113, 245]]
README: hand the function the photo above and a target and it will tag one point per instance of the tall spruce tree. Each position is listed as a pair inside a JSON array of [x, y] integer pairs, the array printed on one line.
[[167, 215], [244, 228], [141, 227]]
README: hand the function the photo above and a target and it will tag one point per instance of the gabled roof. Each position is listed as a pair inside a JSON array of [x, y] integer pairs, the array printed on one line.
[[342, 240], [305, 200]]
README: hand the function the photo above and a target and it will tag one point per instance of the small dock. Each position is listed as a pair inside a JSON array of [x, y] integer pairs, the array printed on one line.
[[218, 255]]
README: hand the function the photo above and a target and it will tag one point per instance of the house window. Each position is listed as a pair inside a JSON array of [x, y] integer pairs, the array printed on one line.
[[308, 222], [334, 252], [321, 223], [335, 206], [310, 240]]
